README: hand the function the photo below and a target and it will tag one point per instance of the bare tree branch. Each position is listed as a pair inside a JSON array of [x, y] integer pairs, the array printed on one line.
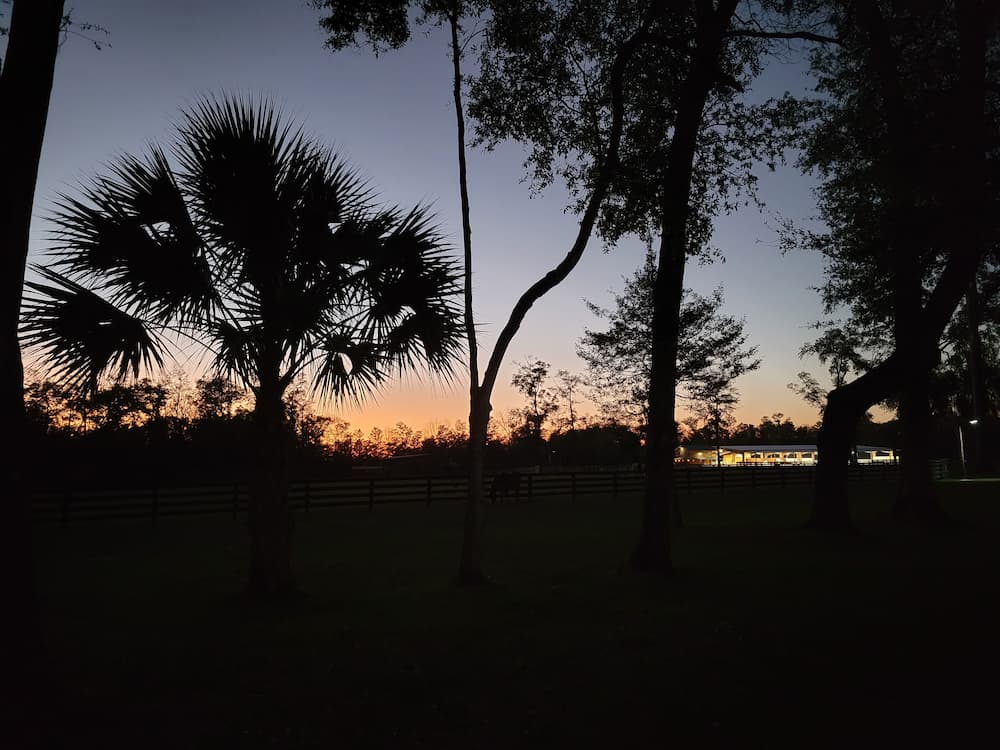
[[806, 36]]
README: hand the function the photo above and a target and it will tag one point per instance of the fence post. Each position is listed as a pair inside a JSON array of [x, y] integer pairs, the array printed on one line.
[[753, 477], [781, 468], [371, 494], [531, 493], [156, 502], [429, 483], [689, 479], [572, 485], [614, 485], [236, 499], [308, 498], [722, 479]]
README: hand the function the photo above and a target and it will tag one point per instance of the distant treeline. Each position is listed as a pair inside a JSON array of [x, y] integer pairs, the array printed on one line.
[[170, 429], [179, 432], [124, 433]]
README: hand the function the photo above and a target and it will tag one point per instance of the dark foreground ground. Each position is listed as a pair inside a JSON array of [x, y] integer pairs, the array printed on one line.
[[767, 634]]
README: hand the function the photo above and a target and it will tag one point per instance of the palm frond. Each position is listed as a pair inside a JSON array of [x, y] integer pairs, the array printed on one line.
[[83, 336], [414, 288], [348, 371], [331, 196], [131, 235], [236, 350], [246, 171]]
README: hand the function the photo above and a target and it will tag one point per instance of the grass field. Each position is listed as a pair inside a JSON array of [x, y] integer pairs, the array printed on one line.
[[767, 634]]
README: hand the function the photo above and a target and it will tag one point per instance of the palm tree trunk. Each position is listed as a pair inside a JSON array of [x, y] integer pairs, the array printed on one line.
[[25, 88], [270, 515]]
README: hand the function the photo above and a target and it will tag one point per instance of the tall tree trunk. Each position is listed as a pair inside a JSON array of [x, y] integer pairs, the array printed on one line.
[[470, 569], [270, 515], [834, 445], [917, 500], [470, 566], [25, 88], [652, 551], [916, 497], [910, 337]]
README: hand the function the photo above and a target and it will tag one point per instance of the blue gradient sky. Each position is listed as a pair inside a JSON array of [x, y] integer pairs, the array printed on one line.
[[392, 117]]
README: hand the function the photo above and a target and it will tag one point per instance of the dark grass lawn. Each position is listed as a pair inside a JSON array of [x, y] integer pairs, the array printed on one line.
[[766, 635]]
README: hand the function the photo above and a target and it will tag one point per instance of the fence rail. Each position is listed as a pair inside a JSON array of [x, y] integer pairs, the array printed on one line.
[[308, 495]]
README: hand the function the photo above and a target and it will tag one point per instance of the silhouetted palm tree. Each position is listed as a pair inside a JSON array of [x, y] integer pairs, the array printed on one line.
[[260, 244]]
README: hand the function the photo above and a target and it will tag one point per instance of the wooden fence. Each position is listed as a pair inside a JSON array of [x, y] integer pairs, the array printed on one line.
[[308, 495]]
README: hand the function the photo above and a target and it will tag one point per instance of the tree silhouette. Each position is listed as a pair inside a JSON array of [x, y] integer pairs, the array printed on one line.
[[530, 380], [967, 385], [216, 397], [840, 349], [386, 26], [690, 140], [902, 144], [568, 388], [260, 244], [26, 75], [712, 349]]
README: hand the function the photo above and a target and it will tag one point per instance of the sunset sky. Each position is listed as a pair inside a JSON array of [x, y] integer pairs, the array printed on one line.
[[392, 118]]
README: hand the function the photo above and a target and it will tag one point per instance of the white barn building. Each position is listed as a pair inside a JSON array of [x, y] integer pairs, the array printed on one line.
[[773, 455]]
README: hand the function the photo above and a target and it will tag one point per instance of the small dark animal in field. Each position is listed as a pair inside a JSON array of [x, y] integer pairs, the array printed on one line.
[[505, 484]]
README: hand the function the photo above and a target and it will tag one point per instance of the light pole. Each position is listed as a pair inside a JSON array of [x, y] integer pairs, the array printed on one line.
[[961, 444], [961, 449]]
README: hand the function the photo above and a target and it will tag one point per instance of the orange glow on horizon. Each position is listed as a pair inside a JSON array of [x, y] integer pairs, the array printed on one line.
[[423, 409]]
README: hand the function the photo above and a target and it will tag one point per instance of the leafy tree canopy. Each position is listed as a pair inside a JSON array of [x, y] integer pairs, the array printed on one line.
[[541, 82], [885, 215], [712, 352], [384, 24]]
